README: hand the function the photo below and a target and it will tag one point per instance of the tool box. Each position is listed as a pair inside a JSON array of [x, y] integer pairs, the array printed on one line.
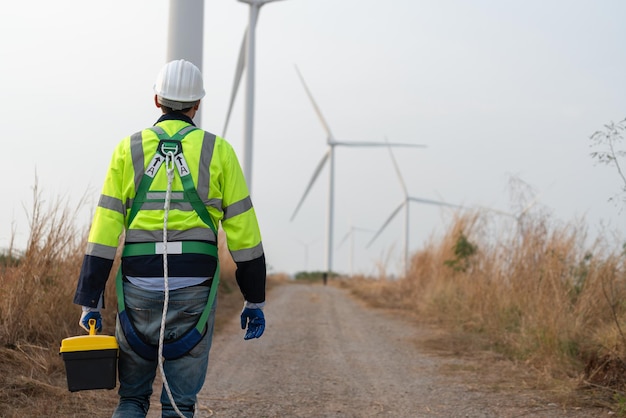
[[90, 360]]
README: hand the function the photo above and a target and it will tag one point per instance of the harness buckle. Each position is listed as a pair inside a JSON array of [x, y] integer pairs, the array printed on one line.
[[170, 146]]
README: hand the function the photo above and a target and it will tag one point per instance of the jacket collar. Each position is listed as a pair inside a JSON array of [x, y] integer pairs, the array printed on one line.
[[175, 116]]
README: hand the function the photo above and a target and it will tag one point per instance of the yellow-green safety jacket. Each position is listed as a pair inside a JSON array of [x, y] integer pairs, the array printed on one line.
[[221, 186]]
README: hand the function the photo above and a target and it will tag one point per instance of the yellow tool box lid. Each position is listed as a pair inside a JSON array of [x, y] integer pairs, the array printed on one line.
[[89, 342]]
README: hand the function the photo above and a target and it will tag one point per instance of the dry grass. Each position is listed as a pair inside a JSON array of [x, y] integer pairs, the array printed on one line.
[[537, 296], [36, 313]]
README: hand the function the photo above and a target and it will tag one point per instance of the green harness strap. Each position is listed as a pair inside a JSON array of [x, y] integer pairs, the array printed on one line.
[[168, 145]]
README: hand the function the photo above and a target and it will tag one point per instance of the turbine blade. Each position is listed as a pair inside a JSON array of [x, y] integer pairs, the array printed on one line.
[[529, 206], [395, 165], [497, 211], [375, 144], [393, 214], [316, 173], [241, 63], [317, 109], [434, 202], [344, 239]]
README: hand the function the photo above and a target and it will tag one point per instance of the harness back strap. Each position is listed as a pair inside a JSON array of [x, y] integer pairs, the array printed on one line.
[[180, 346], [173, 349]]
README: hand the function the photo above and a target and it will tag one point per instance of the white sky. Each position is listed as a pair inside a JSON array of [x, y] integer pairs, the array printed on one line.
[[493, 88]]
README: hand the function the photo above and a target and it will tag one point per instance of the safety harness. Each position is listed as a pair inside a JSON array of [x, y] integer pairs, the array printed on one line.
[[179, 347]]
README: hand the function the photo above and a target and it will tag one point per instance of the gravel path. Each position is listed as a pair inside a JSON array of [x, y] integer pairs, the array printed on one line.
[[324, 354]]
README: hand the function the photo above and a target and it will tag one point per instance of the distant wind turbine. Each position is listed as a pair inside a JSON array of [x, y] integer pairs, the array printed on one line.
[[330, 156], [249, 41], [519, 217], [306, 246], [350, 235], [405, 204]]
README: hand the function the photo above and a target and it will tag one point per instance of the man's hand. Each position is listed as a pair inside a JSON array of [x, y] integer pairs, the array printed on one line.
[[86, 316], [255, 320]]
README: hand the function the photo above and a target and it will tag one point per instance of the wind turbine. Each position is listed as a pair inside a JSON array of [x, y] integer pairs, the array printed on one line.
[[405, 204], [329, 156], [350, 235], [184, 40], [248, 46], [521, 215], [306, 246]]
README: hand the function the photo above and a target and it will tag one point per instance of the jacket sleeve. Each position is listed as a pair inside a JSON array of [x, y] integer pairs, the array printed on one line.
[[240, 224], [106, 229], [251, 277]]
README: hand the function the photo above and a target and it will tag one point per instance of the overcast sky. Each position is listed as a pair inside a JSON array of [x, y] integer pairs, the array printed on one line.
[[495, 89]]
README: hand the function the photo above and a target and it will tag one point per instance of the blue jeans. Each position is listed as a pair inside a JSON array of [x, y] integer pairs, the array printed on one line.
[[185, 375]]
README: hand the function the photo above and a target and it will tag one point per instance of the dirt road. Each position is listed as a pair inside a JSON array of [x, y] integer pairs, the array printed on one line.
[[325, 354]]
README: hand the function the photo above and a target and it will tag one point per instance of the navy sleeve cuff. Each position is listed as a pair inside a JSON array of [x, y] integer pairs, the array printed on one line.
[[251, 277], [92, 281]]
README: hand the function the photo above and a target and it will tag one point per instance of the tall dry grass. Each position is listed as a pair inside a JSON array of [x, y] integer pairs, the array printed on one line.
[[36, 313], [34, 306], [536, 290]]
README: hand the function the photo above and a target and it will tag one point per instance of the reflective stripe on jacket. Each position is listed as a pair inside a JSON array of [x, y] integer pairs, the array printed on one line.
[[222, 188]]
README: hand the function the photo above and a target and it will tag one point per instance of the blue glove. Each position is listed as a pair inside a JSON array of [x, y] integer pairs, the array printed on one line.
[[86, 316], [255, 320]]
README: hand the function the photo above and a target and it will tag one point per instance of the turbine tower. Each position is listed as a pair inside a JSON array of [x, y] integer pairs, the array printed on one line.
[[330, 156], [350, 234], [247, 56], [186, 33], [306, 246], [405, 204]]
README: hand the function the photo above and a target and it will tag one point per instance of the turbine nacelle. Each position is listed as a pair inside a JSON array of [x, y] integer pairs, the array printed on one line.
[[257, 3]]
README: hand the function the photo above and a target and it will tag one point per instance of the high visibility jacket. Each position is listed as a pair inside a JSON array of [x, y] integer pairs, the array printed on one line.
[[221, 186]]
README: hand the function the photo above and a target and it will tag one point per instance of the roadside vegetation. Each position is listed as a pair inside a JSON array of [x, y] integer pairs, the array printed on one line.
[[37, 313], [537, 296], [534, 289]]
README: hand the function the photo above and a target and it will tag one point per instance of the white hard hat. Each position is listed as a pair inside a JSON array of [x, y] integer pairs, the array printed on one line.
[[179, 85]]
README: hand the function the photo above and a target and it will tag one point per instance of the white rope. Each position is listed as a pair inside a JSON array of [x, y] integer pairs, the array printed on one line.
[[169, 167]]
